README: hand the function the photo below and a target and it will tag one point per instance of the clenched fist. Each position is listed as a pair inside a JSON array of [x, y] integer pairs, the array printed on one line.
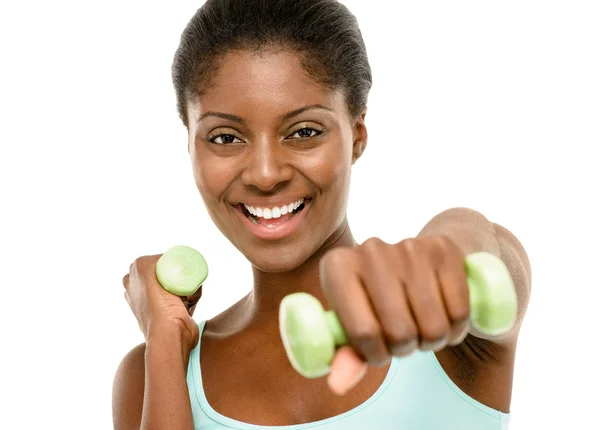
[[154, 307], [393, 299]]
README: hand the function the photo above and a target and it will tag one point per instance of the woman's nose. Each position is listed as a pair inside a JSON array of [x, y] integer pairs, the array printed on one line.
[[266, 165]]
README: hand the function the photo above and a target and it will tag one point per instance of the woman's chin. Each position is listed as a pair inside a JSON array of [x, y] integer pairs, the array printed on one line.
[[278, 261]]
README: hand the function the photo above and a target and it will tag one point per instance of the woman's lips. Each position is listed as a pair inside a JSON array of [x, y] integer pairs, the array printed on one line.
[[268, 227]]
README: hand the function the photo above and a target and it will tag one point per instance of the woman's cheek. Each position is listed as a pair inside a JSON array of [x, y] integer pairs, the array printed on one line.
[[333, 168], [330, 172], [211, 175]]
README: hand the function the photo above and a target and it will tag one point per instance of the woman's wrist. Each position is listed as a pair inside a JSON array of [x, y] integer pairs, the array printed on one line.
[[173, 335]]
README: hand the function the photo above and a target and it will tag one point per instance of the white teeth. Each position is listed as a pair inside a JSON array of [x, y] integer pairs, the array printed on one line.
[[274, 212]]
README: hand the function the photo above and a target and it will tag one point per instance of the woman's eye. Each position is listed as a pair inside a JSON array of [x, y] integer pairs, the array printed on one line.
[[305, 133], [223, 139]]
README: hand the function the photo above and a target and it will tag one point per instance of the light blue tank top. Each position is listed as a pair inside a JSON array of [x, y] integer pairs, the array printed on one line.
[[416, 394]]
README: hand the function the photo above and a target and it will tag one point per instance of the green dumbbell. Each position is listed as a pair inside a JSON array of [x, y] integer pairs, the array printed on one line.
[[310, 334], [181, 271]]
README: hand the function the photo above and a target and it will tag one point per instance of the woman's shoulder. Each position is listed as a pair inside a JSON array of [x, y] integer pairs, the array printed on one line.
[[131, 367], [128, 386]]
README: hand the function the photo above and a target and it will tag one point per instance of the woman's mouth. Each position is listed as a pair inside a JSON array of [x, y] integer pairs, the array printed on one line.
[[273, 222], [276, 214]]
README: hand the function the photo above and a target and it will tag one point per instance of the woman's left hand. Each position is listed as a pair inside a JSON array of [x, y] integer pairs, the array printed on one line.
[[393, 299]]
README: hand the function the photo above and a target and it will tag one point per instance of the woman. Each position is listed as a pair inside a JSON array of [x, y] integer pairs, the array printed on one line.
[[273, 94]]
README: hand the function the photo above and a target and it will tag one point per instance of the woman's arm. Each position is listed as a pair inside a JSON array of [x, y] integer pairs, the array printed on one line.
[[150, 388], [473, 232]]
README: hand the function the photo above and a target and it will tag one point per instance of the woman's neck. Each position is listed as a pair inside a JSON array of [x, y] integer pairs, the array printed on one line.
[[262, 304]]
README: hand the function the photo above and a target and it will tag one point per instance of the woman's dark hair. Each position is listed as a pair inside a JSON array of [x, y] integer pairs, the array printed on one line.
[[324, 32]]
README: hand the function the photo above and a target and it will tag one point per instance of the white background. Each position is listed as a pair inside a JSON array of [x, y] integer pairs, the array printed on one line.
[[490, 105]]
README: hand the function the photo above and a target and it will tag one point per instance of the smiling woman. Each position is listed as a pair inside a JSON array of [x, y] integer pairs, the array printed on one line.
[[273, 140], [274, 95]]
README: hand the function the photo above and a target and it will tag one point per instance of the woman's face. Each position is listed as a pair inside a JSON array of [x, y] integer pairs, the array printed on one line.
[[272, 151]]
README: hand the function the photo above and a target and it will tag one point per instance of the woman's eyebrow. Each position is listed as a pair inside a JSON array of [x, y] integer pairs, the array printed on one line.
[[303, 109], [227, 116], [241, 120]]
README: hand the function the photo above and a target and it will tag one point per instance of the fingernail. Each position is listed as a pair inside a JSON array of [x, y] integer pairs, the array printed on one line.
[[359, 376], [341, 380]]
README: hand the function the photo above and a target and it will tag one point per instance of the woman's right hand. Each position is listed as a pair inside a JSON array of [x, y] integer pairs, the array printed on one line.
[[157, 310]]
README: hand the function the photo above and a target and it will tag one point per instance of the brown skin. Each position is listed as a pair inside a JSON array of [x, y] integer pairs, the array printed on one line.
[[267, 158]]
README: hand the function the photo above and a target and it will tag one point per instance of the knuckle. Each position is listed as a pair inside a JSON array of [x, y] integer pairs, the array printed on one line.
[[441, 241], [402, 342], [412, 248], [373, 244], [335, 256], [460, 314], [142, 265], [436, 247], [448, 249], [140, 262], [365, 334], [410, 245], [369, 344], [401, 334], [137, 265], [435, 330], [375, 252]]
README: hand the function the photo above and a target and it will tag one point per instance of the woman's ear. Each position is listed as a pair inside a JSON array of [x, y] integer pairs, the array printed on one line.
[[360, 137]]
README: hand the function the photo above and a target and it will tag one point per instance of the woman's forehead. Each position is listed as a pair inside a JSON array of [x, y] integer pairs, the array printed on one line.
[[243, 71], [267, 81]]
